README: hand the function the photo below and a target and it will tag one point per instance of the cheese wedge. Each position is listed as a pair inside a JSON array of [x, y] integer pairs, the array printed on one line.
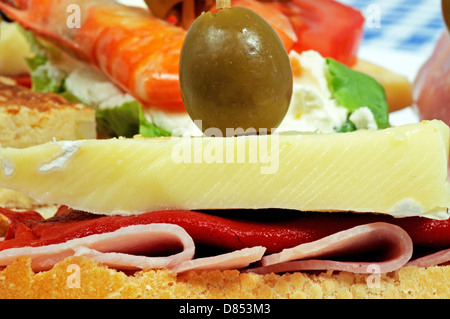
[[401, 171]]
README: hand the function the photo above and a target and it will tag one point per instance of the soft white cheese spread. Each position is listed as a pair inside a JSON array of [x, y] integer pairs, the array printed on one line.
[[94, 89], [312, 107], [363, 119], [180, 124]]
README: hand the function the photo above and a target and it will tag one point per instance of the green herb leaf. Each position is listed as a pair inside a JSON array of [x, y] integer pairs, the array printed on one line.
[[43, 80], [354, 89], [126, 120], [348, 126]]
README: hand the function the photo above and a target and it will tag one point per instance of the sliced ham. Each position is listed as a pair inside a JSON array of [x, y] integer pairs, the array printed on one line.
[[118, 249], [391, 242], [234, 260], [437, 258], [128, 248]]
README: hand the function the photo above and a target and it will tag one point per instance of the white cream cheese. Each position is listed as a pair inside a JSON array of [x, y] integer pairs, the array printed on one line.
[[312, 106], [363, 119], [94, 89], [180, 124]]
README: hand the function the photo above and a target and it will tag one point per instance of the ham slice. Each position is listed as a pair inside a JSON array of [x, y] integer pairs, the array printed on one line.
[[437, 258], [118, 249], [391, 242], [128, 248], [234, 260]]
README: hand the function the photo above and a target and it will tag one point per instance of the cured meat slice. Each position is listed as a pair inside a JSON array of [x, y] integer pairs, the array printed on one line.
[[437, 258], [392, 245], [128, 248], [234, 260]]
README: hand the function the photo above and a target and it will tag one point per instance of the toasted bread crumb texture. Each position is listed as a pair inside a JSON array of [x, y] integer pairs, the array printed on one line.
[[79, 277], [29, 118]]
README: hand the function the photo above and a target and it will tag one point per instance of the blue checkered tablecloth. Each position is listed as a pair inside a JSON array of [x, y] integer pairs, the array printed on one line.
[[399, 34], [400, 25], [404, 25]]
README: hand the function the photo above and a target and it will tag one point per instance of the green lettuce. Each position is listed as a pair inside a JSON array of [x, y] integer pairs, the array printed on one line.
[[348, 126], [354, 89], [126, 120], [43, 79]]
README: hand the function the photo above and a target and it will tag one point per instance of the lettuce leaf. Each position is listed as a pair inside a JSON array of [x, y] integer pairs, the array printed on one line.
[[44, 77], [354, 89], [348, 126], [126, 120]]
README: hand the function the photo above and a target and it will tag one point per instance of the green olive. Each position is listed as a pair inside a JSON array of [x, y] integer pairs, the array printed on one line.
[[234, 73]]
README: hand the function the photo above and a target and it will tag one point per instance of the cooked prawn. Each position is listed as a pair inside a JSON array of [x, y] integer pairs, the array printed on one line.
[[136, 50]]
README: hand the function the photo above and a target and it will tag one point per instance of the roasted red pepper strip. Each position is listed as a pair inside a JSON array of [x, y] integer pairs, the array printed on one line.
[[286, 229]]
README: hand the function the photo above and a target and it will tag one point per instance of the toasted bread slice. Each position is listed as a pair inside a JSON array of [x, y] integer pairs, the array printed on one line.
[[28, 118], [80, 277]]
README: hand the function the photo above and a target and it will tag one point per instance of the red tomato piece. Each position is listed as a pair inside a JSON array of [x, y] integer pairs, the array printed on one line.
[[331, 28], [23, 79], [277, 20]]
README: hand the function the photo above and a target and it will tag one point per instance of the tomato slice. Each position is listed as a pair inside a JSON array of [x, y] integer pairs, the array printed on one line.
[[271, 13], [331, 28]]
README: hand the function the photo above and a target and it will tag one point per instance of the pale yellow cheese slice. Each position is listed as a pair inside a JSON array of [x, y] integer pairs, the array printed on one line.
[[400, 171]]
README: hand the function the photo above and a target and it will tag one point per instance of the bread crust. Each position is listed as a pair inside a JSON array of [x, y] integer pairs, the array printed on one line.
[[30, 118], [80, 277]]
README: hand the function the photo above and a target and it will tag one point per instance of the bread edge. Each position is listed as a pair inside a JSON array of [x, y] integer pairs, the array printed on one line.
[[82, 278]]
